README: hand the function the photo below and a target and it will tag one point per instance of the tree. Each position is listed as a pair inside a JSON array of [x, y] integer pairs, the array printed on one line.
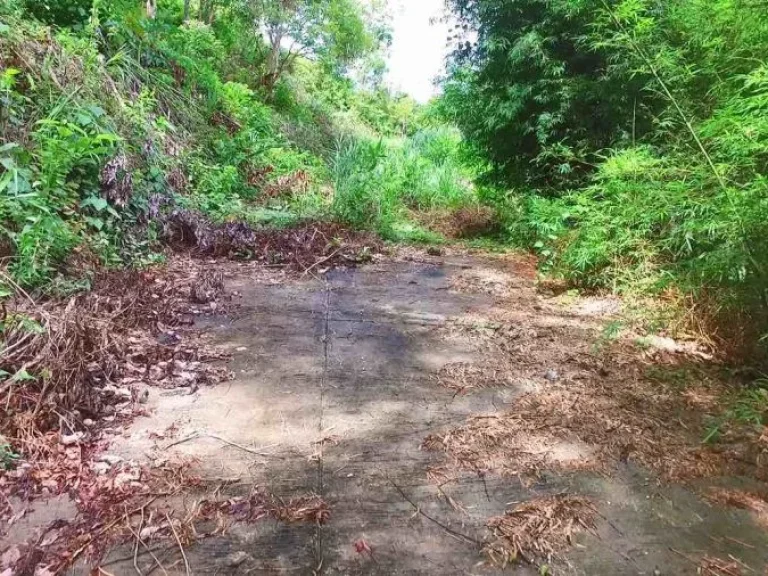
[[536, 96], [331, 30]]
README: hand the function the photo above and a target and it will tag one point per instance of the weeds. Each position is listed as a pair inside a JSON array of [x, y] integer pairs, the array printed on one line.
[[377, 183], [8, 457], [749, 408]]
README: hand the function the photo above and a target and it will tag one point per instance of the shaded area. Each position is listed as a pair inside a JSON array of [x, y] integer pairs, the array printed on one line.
[[337, 385]]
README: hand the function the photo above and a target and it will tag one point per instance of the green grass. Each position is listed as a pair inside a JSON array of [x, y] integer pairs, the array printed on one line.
[[377, 182], [179, 114]]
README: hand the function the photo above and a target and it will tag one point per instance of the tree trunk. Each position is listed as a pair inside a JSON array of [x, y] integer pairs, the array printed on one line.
[[273, 61], [151, 9], [206, 11], [186, 11]]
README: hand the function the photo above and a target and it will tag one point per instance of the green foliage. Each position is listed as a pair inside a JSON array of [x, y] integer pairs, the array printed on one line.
[[534, 95], [634, 132], [110, 118], [60, 12], [750, 408], [331, 31], [378, 181], [8, 457], [44, 184]]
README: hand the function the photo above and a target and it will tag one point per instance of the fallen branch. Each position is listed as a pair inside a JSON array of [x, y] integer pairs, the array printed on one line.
[[111, 525], [197, 435], [323, 260]]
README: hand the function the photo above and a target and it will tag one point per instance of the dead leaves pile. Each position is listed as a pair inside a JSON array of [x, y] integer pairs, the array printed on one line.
[[148, 508], [579, 407], [76, 368], [752, 501], [303, 248], [587, 426], [537, 530], [310, 509]]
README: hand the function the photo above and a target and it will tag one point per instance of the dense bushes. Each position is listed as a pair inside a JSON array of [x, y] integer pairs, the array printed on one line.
[[536, 95], [111, 118], [634, 133]]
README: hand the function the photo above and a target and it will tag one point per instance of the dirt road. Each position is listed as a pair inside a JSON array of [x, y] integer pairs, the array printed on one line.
[[340, 379]]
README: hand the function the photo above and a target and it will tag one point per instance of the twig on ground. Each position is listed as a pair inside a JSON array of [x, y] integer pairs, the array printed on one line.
[[196, 435], [449, 530], [111, 525], [323, 260], [147, 550], [735, 541], [178, 541], [455, 505], [691, 560], [136, 536]]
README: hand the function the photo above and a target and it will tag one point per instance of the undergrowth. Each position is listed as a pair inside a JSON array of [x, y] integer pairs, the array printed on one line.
[[377, 182], [111, 118], [625, 142]]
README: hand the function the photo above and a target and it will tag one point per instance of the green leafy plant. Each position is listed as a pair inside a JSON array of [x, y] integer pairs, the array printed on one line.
[[8, 457]]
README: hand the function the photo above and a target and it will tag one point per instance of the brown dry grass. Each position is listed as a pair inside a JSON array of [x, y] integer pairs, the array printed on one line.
[[585, 402], [309, 508], [587, 425], [307, 247], [462, 377], [74, 364], [540, 529], [466, 222], [754, 502], [162, 504], [711, 566]]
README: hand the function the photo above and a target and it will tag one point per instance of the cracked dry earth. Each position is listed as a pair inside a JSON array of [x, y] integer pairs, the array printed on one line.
[[338, 382]]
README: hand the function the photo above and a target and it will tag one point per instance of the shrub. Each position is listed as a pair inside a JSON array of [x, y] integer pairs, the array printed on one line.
[[60, 12]]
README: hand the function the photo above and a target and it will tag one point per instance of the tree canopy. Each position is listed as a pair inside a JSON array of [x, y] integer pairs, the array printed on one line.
[[534, 93], [332, 31]]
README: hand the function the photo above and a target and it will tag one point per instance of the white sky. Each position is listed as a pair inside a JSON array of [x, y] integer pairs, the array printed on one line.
[[418, 47]]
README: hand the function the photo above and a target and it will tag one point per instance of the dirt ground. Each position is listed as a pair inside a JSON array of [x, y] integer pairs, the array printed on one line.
[[439, 415]]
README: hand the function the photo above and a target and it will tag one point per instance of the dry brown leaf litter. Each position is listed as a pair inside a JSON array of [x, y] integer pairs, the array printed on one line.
[[461, 377], [711, 566], [752, 501], [77, 370], [78, 366], [539, 530], [588, 425], [149, 507], [582, 403], [309, 247]]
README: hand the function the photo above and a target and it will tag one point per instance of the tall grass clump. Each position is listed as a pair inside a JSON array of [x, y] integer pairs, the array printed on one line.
[[378, 184]]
